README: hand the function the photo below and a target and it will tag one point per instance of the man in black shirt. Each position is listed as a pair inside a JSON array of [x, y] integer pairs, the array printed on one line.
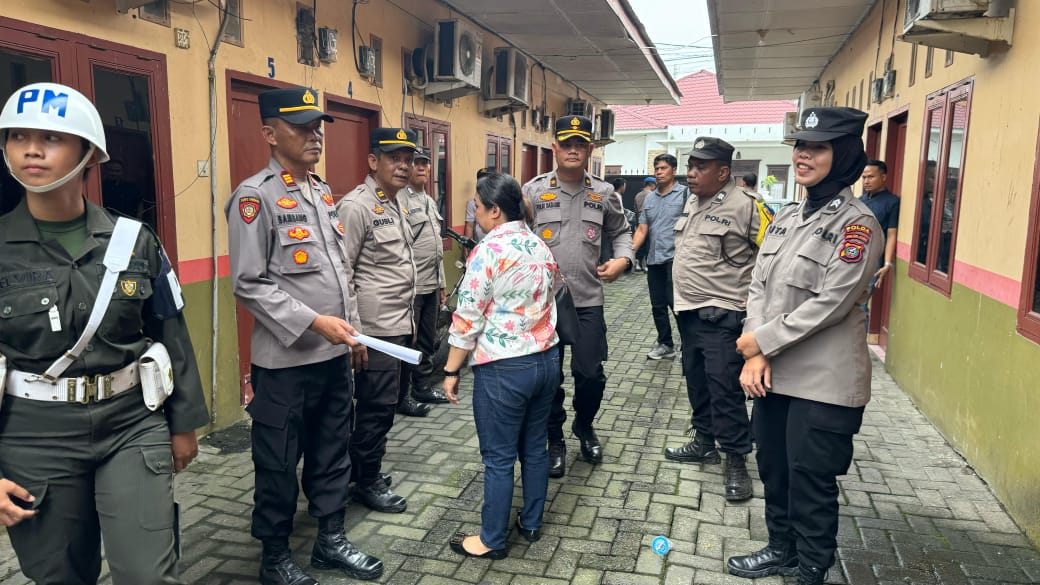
[[885, 206]]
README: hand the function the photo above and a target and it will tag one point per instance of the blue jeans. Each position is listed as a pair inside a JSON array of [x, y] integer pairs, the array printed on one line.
[[511, 400]]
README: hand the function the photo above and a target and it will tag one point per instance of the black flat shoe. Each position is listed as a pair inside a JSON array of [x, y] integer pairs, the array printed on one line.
[[494, 554], [529, 535]]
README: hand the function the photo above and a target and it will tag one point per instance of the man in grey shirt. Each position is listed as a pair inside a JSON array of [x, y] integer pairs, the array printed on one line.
[[661, 209]]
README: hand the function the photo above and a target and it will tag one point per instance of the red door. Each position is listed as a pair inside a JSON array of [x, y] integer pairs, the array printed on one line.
[[528, 163], [545, 162], [346, 144], [881, 303]]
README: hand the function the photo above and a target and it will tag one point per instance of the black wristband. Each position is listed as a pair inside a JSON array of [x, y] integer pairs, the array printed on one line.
[[451, 374]]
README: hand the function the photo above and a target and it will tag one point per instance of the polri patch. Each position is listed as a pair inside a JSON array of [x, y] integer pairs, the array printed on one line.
[[300, 256], [287, 178], [286, 203], [298, 233], [327, 199], [248, 208], [547, 233]]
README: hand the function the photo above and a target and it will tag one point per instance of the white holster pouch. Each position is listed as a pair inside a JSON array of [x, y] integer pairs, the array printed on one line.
[[156, 375]]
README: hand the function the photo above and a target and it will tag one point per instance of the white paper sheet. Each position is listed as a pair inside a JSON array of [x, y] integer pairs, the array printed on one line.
[[400, 352]]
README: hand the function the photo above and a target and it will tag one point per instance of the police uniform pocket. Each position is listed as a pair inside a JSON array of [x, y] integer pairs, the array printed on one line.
[[25, 319], [124, 319], [155, 488], [548, 222], [709, 244], [826, 446], [270, 435], [592, 223], [809, 270], [389, 244]]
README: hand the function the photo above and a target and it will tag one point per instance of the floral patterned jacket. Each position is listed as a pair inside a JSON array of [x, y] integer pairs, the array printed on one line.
[[506, 305]]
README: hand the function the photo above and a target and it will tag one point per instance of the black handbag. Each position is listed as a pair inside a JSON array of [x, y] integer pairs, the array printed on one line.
[[566, 316]]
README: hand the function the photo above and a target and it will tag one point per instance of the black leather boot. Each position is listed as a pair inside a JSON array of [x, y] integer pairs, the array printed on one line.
[[377, 496], [774, 559], [700, 450], [277, 566], [332, 550], [738, 482], [407, 406], [591, 449], [811, 575], [557, 459], [429, 395]]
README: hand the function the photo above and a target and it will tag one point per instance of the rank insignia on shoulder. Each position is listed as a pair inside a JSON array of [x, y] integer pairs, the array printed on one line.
[[129, 287], [287, 178], [547, 196], [588, 182], [552, 182], [248, 208], [327, 199], [286, 203], [835, 204], [547, 233], [595, 197], [380, 193], [378, 209], [300, 256], [298, 233]]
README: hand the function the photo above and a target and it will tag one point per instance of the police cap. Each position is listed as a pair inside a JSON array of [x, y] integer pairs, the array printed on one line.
[[391, 139], [297, 105], [708, 148], [823, 124], [421, 154], [649, 180], [573, 127]]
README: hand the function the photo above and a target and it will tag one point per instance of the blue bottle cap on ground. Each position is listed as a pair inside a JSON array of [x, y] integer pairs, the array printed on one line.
[[661, 545]]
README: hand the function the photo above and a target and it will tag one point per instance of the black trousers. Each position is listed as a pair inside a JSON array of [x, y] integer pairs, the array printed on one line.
[[425, 310], [659, 281], [803, 446], [376, 394], [712, 367], [587, 359], [300, 411]]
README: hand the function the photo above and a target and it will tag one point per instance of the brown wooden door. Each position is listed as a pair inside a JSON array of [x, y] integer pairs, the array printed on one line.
[[546, 160], [528, 163], [881, 303], [346, 144]]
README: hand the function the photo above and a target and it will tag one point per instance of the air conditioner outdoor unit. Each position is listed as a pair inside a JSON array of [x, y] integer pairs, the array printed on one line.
[[964, 26], [578, 108], [790, 123], [327, 51], [605, 126], [456, 59], [510, 79]]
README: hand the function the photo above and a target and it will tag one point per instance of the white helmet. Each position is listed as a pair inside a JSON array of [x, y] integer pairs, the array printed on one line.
[[52, 106]]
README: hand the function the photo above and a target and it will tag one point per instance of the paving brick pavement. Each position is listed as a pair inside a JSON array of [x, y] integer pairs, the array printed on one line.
[[912, 511]]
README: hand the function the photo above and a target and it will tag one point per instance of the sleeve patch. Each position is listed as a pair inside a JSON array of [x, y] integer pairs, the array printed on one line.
[[857, 233], [248, 208]]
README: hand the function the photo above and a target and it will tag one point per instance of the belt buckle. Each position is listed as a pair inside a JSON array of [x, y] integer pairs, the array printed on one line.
[[90, 388]]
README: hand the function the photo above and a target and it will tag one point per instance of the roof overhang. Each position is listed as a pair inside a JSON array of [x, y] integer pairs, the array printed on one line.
[[776, 49], [598, 45]]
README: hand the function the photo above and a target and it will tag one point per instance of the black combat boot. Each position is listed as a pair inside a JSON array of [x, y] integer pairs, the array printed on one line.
[[429, 395], [332, 550], [591, 449], [407, 406], [277, 566], [778, 558], [700, 450], [557, 459], [811, 575], [377, 496], [738, 482]]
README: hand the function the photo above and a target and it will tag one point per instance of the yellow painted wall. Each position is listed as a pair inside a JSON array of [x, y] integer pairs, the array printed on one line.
[[1001, 137]]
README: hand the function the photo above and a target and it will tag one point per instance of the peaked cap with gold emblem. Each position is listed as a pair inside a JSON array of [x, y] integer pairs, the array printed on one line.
[[573, 127], [297, 105], [391, 139]]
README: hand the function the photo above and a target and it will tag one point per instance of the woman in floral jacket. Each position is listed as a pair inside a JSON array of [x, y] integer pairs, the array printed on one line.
[[506, 323]]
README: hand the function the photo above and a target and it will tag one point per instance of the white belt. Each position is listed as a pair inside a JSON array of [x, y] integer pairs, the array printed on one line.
[[84, 389]]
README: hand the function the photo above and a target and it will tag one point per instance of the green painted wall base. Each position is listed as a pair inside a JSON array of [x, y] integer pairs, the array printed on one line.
[[967, 369]]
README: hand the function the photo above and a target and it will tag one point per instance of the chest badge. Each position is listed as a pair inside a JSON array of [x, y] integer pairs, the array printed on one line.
[[547, 196], [300, 256], [595, 196], [327, 199], [339, 227], [299, 233], [547, 233], [591, 233], [287, 178], [248, 208], [286, 203], [378, 209], [129, 287]]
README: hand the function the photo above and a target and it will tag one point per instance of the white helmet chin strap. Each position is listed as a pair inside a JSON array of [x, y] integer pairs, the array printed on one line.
[[56, 184]]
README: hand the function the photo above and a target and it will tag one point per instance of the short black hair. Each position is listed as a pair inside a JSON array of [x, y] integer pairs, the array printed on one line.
[[750, 180], [481, 173], [668, 159], [618, 182], [502, 191], [880, 164]]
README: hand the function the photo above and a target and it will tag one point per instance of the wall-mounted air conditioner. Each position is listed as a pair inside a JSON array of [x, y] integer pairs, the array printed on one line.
[[964, 26], [456, 60], [510, 76], [605, 125]]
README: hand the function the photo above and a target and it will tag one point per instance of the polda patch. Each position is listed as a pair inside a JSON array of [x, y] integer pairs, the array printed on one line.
[[248, 208]]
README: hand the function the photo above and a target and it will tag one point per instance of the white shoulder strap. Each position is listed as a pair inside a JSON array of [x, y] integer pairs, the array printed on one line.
[[117, 258]]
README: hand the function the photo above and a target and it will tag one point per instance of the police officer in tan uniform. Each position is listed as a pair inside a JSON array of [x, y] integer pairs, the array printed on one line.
[[423, 227], [572, 212], [381, 272], [288, 271], [806, 356], [714, 254]]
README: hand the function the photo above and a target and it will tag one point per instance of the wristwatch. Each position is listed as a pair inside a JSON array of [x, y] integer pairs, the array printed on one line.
[[628, 261], [451, 373]]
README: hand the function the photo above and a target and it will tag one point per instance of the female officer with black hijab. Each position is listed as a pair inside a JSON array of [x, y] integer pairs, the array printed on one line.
[[806, 361]]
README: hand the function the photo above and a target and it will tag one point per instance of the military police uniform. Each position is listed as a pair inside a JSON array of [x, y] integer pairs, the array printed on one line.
[[714, 253], [572, 220], [380, 270], [423, 229], [287, 269], [811, 276], [95, 458]]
